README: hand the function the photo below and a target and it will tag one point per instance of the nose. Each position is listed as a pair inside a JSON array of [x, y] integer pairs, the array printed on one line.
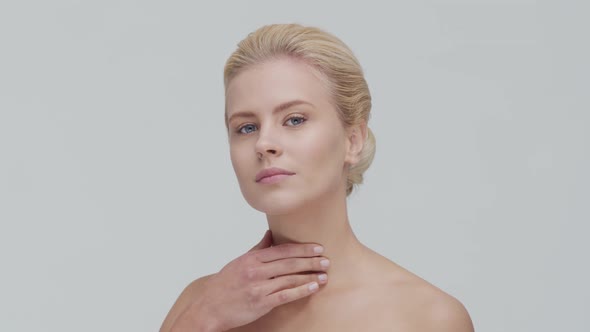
[[267, 144]]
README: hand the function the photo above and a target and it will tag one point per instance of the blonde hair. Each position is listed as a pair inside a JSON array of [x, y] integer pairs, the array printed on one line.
[[329, 56]]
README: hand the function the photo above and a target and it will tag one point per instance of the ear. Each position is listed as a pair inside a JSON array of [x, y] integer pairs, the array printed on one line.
[[356, 136]]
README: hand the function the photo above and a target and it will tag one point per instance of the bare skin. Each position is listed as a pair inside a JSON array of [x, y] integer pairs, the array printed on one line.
[[365, 291], [248, 287], [379, 296], [384, 297]]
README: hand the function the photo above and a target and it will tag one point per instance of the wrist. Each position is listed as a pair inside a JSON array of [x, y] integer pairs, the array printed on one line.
[[196, 319]]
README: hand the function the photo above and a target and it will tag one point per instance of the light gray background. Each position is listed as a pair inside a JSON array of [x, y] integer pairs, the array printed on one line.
[[116, 187]]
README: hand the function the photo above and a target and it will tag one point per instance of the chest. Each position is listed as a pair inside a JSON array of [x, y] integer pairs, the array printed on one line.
[[369, 323], [353, 314]]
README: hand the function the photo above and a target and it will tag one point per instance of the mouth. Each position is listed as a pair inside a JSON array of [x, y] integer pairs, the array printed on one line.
[[272, 174], [273, 178]]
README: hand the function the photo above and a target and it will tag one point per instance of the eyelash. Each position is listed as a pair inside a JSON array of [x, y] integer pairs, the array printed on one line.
[[303, 119]]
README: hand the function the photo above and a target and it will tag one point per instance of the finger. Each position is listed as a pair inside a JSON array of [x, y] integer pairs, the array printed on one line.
[[265, 242], [288, 250], [293, 266], [292, 281], [290, 294]]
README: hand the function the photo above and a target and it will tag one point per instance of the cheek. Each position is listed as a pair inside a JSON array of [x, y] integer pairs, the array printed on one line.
[[237, 160], [326, 149]]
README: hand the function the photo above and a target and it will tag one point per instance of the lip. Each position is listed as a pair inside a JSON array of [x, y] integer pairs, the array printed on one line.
[[271, 172]]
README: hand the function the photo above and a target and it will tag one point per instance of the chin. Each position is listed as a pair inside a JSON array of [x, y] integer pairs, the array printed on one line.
[[283, 202], [290, 199], [276, 203]]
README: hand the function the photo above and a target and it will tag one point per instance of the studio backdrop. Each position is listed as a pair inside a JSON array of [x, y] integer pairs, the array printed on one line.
[[116, 187]]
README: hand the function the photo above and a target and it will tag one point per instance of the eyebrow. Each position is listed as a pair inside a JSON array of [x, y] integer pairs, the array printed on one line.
[[277, 109]]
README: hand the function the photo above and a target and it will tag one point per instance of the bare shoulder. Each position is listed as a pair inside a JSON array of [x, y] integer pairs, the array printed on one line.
[[446, 313], [188, 295], [427, 307]]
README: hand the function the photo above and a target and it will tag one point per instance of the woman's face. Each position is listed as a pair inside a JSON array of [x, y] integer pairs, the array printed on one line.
[[280, 115]]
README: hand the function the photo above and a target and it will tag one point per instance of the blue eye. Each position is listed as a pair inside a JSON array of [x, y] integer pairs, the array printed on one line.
[[299, 119], [291, 122], [248, 126]]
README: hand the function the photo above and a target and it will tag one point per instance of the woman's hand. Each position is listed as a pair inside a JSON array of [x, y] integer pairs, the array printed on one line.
[[253, 284]]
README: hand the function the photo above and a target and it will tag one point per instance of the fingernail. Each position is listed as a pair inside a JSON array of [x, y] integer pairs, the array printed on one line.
[[325, 263], [323, 277], [318, 250], [313, 286]]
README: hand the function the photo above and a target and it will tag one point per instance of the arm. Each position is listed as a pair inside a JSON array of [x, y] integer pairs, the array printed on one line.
[[186, 301], [247, 288]]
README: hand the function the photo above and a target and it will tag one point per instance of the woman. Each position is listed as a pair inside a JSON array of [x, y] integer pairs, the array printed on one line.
[[297, 107]]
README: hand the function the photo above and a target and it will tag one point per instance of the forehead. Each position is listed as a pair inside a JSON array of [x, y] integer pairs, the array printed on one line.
[[263, 86]]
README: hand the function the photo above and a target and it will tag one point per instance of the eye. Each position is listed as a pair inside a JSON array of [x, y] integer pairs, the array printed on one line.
[[296, 120], [248, 129]]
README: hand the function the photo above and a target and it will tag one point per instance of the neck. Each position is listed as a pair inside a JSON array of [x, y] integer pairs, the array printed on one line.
[[324, 221]]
